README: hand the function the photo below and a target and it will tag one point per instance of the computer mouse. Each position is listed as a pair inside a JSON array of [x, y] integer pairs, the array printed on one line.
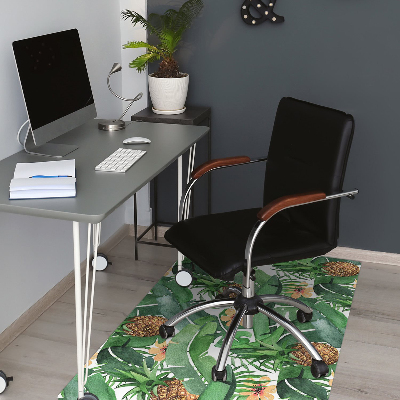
[[136, 140]]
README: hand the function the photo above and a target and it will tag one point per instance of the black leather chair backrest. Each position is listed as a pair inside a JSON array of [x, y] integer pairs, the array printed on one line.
[[309, 149]]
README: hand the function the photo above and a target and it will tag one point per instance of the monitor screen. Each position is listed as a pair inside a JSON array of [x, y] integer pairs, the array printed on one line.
[[55, 83]]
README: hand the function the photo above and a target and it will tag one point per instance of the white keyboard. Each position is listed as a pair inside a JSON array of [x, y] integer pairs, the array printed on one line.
[[121, 160]]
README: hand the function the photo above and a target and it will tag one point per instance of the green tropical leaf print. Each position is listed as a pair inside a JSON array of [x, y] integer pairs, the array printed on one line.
[[70, 391], [217, 391], [335, 317], [309, 388], [96, 384], [261, 277], [181, 294], [112, 365], [130, 341], [261, 326], [134, 368], [286, 392], [271, 286], [187, 355]]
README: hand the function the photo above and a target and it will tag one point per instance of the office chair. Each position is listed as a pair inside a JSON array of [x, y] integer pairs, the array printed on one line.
[[303, 182]]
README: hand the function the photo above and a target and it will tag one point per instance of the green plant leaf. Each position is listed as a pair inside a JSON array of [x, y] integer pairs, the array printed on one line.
[[141, 62], [187, 13], [139, 45], [168, 28], [136, 18]]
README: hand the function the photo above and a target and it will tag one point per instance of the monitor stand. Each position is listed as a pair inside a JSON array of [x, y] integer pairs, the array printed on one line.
[[47, 149]]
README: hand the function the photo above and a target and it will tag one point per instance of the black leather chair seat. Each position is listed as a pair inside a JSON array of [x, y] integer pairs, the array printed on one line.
[[216, 243]]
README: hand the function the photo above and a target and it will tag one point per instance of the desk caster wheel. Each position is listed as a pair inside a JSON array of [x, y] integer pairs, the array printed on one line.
[[183, 277], [4, 381], [102, 262], [89, 396]]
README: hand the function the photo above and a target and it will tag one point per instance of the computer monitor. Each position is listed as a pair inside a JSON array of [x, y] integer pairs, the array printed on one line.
[[56, 88]]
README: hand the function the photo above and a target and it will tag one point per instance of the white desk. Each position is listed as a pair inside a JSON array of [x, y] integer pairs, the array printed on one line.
[[98, 194]]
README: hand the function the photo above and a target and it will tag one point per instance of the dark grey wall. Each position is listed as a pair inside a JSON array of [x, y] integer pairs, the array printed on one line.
[[343, 54]]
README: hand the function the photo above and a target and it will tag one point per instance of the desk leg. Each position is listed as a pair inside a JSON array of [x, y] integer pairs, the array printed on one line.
[[180, 188], [192, 153], [84, 325]]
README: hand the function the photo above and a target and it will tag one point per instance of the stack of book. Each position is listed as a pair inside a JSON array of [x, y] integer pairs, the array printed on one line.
[[43, 180]]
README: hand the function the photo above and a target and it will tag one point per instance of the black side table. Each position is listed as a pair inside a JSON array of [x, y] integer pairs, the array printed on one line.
[[192, 116]]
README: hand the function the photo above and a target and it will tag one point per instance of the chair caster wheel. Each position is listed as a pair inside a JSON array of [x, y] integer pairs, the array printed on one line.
[[218, 375], [101, 262], [166, 331], [304, 317], [4, 381], [183, 277], [319, 368], [89, 396]]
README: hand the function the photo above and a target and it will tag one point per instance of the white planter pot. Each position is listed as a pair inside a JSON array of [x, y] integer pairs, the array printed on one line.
[[168, 95]]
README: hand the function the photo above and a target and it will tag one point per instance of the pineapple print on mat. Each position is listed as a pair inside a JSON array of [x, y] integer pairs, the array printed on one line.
[[173, 390], [144, 326], [341, 268], [265, 363], [328, 353]]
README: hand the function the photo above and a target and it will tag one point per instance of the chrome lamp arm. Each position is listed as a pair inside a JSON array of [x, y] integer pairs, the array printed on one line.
[[136, 98], [117, 124]]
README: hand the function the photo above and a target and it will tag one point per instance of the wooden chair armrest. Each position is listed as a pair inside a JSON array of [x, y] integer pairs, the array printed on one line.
[[288, 201], [218, 162]]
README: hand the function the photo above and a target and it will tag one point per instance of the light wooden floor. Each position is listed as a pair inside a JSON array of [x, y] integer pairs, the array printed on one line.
[[43, 359]]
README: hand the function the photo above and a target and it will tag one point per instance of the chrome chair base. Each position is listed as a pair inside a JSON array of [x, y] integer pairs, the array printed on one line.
[[245, 308]]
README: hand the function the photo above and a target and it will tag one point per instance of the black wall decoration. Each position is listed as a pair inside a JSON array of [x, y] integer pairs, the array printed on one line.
[[266, 12]]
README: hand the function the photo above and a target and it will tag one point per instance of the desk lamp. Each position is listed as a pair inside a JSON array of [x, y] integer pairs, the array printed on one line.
[[117, 124]]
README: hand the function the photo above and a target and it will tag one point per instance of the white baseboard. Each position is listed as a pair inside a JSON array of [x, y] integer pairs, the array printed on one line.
[[377, 257], [34, 312], [347, 253]]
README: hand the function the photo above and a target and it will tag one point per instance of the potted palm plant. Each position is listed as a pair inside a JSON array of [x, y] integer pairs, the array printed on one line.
[[168, 86]]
